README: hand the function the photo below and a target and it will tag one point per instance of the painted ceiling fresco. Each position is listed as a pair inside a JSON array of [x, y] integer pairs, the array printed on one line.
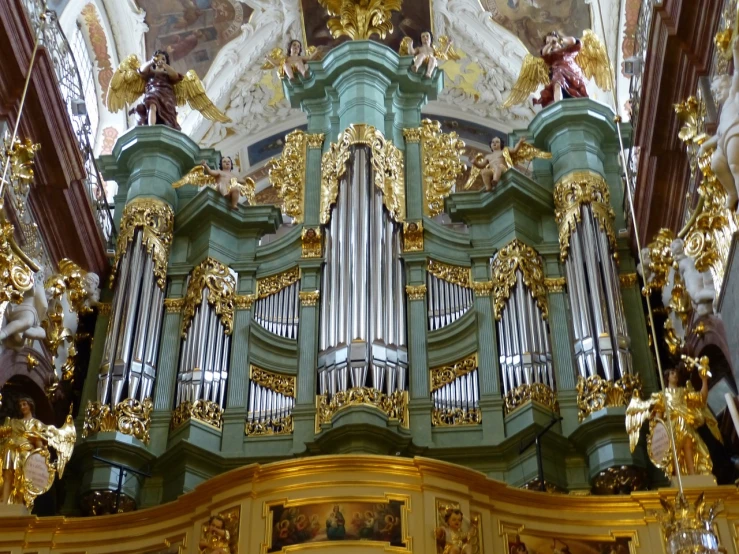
[[192, 31], [531, 20]]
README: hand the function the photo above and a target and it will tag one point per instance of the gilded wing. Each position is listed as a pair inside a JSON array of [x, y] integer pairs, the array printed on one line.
[[247, 190], [527, 152], [313, 53], [62, 440], [191, 90], [126, 85], [406, 47], [593, 60], [196, 177], [711, 423], [445, 49], [275, 60], [474, 172], [637, 412], [534, 73]]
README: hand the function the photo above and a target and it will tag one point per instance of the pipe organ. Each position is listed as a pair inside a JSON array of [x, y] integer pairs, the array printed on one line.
[[277, 306], [455, 392], [587, 246], [207, 325], [450, 294], [128, 369], [271, 401]]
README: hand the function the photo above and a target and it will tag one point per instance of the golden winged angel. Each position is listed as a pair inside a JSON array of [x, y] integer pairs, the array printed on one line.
[[688, 412], [224, 180], [360, 19], [24, 443], [501, 159], [163, 88], [564, 65], [428, 53], [287, 65]]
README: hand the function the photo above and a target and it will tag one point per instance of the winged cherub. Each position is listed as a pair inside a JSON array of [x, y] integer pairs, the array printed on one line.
[[224, 180], [428, 53], [501, 159], [287, 65], [564, 65], [163, 88]]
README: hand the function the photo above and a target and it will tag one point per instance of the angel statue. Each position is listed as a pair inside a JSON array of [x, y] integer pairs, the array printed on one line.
[[224, 180], [163, 88], [564, 65], [500, 160], [286, 66], [215, 537], [428, 53], [688, 412], [451, 537], [24, 454], [23, 321]]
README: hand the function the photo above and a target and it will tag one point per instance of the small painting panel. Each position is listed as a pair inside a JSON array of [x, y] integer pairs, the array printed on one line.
[[547, 543]]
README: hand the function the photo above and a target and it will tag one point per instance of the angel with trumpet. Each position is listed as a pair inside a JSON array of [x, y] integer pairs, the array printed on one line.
[[564, 65], [224, 180], [163, 89], [428, 53], [501, 159], [687, 412]]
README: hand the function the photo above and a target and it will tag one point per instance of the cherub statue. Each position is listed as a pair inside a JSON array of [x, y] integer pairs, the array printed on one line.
[[23, 321], [286, 66], [163, 88], [224, 180], [500, 160], [24, 436], [428, 53], [215, 539], [699, 285], [725, 159], [564, 65], [688, 412], [450, 536]]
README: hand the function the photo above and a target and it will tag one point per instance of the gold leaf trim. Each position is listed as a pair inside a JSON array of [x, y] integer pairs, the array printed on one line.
[[267, 286], [129, 417], [595, 393], [276, 382], [276, 426], [445, 374], [518, 256], [221, 286], [205, 411], [395, 406], [455, 417], [441, 163], [531, 392], [287, 174], [455, 274], [104, 309]]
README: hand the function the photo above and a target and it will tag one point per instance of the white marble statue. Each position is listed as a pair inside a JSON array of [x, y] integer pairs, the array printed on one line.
[[725, 159], [699, 285], [23, 321]]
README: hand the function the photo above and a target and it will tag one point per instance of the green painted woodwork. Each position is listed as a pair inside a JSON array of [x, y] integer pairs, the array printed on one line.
[[453, 342]]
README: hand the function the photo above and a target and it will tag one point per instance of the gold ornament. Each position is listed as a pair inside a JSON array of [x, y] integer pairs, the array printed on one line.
[[441, 158], [555, 284], [274, 426], [267, 286], [628, 279], [412, 236], [482, 288], [416, 292], [316, 140], [531, 392], [200, 176], [156, 220], [105, 309], [595, 393], [129, 416], [287, 174], [395, 406], [309, 297], [360, 19], [412, 135], [659, 261], [20, 157], [206, 411], [244, 301], [575, 190], [455, 417], [443, 375], [276, 382], [221, 285], [692, 114], [518, 256], [174, 305], [16, 269], [455, 274], [310, 242]]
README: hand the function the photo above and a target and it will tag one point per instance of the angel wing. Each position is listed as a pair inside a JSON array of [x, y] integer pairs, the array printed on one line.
[[524, 154], [313, 53], [474, 172], [406, 47], [62, 440], [247, 190], [445, 49], [534, 73], [637, 412], [275, 60], [126, 85], [196, 177], [593, 60], [711, 423], [191, 90]]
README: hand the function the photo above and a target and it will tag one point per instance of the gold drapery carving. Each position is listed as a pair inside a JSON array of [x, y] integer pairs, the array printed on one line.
[[212, 275], [447, 373], [360, 19], [412, 236], [267, 286], [311, 243], [515, 256], [416, 292], [595, 393], [455, 274], [287, 173], [206, 411], [573, 191], [129, 417], [441, 161], [276, 382], [156, 220], [531, 392], [395, 406]]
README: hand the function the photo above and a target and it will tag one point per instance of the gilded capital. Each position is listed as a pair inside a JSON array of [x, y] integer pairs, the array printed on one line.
[[482, 288], [244, 301], [309, 297], [555, 284], [412, 135], [316, 140], [173, 305], [628, 279], [415, 292]]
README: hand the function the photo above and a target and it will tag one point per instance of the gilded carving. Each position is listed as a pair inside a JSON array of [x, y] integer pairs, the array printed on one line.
[[316, 140], [311, 242], [129, 417], [244, 301], [570, 194], [658, 259], [287, 174], [174, 305], [267, 286], [412, 135], [276, 382], [441, 156], [455, 274], [309, 297], [518, 256], [445, 374], [596, 393], [16, 269], [212, 275], [206, 411], [155, 218], [273, 426], [416, 292], [531, 392], [555, 284], [455, 416], [620, 480], [105, 309], [360, 20], [628, 279], [412, 236], [395, 406], [483, 288]]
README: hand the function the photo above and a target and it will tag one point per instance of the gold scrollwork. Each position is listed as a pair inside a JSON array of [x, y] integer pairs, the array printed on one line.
[[276, 382], [309, 297], [628, 279], [573, 191], [129, 417], [395, 406], [441, 156], [412, 135], [555, 284], [595, 393], [658, 260], [311, 243], [16, 269], [531, 392], [206, 411], [482, 288], [416, 292], [244, 301], [360, 20], [174, 305], [412, 236], [221, 285], [518, 256], [20, 159], [275, 426], [445, 374], [156, 220], [455, 274], [267, 286], [454, 417], [692, 114], [287, 174]]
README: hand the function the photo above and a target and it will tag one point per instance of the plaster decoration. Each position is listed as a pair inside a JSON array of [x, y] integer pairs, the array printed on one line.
[[99, 43], [699, 284], [127, 26], [110, 134], [22, 321]]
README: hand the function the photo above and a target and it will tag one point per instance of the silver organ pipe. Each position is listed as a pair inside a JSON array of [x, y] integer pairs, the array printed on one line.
[[455, 393], [362, 334], [277, 307], [450, 294], [270, 404]]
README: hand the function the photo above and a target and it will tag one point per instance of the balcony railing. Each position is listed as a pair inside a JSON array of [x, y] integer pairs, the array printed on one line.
[[70, 85]]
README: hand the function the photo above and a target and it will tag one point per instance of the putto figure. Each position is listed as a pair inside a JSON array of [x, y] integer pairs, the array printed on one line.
[[428, 53], [286, 66], [215, 538], [564, 65], [501, 159], [163, 88], [23, 321], [224, 180], [451, 538]]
